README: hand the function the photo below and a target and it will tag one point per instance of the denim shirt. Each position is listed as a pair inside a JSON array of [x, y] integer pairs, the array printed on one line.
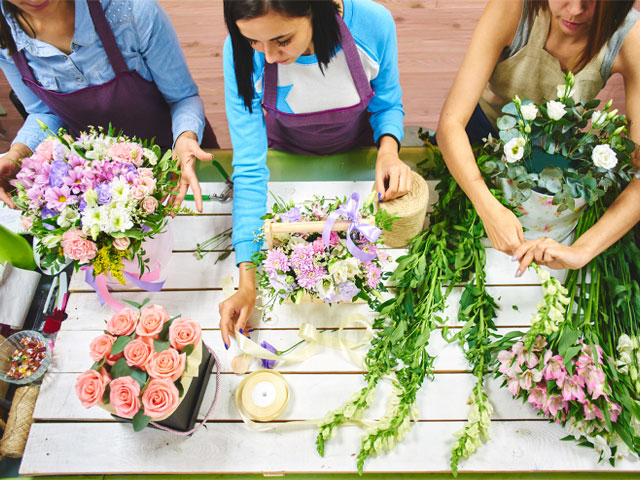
[[148, 44]]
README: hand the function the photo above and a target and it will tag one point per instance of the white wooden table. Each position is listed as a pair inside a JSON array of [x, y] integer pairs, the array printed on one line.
[[68, 439]]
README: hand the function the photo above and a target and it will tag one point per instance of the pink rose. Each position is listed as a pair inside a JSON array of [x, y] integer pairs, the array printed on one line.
[[149, 183], [78, 247], [124, 396], [100, 347], [121, 243], [183, 332], [123, 323], [26, 222], [139, 192], [166, 364], [44, 151], [145, 172], [112, 359], [152, 320], [90, 388], [137, 352], [160, 398], [149, 204]]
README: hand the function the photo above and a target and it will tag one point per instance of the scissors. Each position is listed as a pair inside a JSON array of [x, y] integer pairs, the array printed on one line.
[[227, 193]]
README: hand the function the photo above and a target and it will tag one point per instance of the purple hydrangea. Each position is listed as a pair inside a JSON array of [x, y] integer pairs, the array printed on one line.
[[347, 290], [292, 215], [57, 173], [104, 193], [268, 363], [59, 152]]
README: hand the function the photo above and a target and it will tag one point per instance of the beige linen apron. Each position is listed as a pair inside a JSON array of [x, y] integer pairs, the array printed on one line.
[[534, 74]]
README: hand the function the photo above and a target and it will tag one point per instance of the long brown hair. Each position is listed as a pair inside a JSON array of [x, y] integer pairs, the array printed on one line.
[[607, 18], [6, 39]]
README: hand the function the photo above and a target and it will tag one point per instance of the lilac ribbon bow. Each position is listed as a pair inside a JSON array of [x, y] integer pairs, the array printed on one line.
[[349, 211]]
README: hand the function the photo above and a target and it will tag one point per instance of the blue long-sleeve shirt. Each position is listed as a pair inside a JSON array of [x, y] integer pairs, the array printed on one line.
[[303, 88], [148, 44]]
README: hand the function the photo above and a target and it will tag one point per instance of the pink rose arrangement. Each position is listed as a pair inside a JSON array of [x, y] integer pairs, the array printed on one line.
[[139, 364], [333, 266], [94, 200]]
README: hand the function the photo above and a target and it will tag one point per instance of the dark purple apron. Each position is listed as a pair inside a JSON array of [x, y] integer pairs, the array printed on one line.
[[325, 132], [128, 101]]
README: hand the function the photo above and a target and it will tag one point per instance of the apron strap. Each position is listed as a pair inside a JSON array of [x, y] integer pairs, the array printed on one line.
[[270, 80], [23, 67], [106, 37]]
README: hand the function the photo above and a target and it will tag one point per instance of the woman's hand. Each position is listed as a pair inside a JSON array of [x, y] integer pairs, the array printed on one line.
[[236, 310], [187, 150], [393, 176], [548, 252], [503, 229], [9, 167]]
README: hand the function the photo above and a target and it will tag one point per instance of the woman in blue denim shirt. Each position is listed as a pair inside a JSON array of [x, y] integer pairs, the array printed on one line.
[[79, 63]]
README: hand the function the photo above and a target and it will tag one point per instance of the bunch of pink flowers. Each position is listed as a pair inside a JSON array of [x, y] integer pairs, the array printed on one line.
[[98, 191], [139, 363], [561, 391]]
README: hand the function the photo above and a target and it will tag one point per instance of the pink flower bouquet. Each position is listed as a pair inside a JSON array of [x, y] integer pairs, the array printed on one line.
[[94, 200], [144, 364]]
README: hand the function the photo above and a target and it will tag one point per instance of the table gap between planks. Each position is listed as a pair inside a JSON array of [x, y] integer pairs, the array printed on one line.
[[68, 439]]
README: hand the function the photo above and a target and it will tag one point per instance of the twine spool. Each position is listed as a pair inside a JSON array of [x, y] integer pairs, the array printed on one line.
[[19, 422], [4, 386], [263, 395], [410, 210]]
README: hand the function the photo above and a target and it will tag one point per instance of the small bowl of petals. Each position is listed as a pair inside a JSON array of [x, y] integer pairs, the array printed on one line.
[[24, 357]]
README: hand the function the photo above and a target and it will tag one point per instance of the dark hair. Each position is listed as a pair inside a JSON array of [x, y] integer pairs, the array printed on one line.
[[324, 24], [607, 18]]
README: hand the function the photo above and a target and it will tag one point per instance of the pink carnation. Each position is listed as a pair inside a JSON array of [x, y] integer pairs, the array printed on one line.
[[126, 152], [77, 247], [44, 151]]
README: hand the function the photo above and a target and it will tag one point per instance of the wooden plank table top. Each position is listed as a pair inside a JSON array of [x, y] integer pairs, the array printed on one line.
[[68, 439]]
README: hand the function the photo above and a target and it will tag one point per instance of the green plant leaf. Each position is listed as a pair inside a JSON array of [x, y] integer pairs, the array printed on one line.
[[120, 343], [120, 369], [161, 346], [140, 421]]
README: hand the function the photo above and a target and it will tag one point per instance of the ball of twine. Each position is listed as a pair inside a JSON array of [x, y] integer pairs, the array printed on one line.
[[19, 422], [410, 210]]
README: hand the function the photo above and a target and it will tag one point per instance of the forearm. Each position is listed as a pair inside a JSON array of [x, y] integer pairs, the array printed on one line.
[[247, 276], [619, 218], [457, 153]]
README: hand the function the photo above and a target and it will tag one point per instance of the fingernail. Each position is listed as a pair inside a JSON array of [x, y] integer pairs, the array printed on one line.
[[251, 329], [379, 195], [240, 330], [514, 258], [226, 346], [518, 273]]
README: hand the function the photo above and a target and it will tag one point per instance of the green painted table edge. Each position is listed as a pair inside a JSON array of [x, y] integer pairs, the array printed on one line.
[[356, 165]]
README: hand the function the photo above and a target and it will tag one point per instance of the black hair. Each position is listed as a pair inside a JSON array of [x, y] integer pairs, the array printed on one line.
[[324, 24], [6, 39]]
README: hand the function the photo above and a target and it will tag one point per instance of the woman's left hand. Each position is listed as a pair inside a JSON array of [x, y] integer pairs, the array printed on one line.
[[548, 252], [187, 150], [393, 176]]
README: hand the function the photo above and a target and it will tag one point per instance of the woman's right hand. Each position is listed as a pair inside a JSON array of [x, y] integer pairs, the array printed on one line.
[[503, 229]]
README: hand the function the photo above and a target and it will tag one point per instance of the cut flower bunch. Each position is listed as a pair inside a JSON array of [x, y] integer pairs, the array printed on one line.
[[321, 263], [144, 363], [93, 200], [589, 149]]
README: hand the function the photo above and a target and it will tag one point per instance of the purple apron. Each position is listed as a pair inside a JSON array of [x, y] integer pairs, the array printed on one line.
[[128, 101], [325, 132]]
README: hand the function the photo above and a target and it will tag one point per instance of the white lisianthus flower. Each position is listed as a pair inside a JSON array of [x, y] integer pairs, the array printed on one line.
[[352, 267], [339, 271], [565, 91], [325, 288], [68, 217], [598, 118], [529, 111], [119, 191], [51, 240], [514, 149], [150, 156], [556, 110], [119, 221], [297, 242], [604, 157]]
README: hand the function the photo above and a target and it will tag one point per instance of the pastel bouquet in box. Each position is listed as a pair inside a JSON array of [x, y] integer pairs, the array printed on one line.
[[323, 249], [95, 199], [144, 364]]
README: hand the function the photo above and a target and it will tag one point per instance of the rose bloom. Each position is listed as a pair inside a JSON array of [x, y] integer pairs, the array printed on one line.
[[555, 110], [77, 247], [121, 243], [137, 352], [90, 387], [123, 323], [183, 332], [604, 157], [149, 204], [152, 320], [100, 347], [160, 398], [167, 364], [124, 396]]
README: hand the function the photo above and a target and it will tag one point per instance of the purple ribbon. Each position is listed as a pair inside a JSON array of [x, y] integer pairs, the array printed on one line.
[[99, 285], [350, 211]]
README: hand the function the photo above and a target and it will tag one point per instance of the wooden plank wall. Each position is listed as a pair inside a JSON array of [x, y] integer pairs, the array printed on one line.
[[432, 38]]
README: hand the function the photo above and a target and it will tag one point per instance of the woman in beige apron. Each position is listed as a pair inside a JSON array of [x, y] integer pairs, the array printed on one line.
[[524, 47]]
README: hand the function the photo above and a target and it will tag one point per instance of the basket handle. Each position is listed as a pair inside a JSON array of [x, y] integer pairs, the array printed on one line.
[[271, 228]]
